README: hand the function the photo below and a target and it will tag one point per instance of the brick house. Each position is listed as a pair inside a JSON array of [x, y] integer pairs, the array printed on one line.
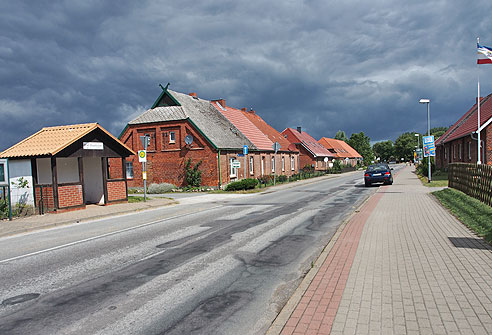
[[311, 153], [263, 161], [217, 143], [342, 151], [459, 142], [66, 167]]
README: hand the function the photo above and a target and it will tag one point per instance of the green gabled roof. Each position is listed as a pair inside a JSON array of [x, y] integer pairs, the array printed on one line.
[[165, 95]]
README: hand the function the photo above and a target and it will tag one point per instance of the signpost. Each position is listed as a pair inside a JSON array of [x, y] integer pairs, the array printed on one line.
[[429, 150], [245, 153], [142, 157], [276, 147]]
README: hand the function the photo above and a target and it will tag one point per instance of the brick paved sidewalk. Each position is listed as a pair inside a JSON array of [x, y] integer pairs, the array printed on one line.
[[402, 265]]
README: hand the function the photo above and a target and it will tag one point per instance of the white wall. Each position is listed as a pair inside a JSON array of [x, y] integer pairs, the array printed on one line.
[[21, 169], [44, 171], [67, 170]]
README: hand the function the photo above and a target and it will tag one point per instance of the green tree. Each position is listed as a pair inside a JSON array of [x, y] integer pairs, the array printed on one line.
[[405, 146], [340, 135], [384, 150], [193, 175], [438, 132], [361, 143]]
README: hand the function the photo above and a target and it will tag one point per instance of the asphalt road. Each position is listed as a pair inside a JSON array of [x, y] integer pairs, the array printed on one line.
[[215, 264]]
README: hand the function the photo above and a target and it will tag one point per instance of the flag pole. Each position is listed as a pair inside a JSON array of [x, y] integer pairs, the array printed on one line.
[[478, 109]]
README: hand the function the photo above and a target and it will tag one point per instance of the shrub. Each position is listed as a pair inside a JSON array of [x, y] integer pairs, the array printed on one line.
[[160, 188], [266, 179], [193, 176], [282, 178], [423, 168], [245, 184], [337, 166]]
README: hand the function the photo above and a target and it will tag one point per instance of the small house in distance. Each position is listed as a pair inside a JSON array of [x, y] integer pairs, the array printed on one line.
[[342, 150], [66, 167], [311, 153]]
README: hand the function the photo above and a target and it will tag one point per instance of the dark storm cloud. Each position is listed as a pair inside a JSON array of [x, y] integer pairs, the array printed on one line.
[[325, 66]]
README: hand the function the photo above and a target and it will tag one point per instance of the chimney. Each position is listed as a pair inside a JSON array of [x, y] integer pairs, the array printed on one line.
[[193, 95], [251, 111], [244, 109], [220, 102], [299, 130]]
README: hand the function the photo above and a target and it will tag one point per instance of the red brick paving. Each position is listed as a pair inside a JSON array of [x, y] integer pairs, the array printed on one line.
[[316, 311]]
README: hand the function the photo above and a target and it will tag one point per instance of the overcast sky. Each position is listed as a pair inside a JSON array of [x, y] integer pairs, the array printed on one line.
[[323, 65]]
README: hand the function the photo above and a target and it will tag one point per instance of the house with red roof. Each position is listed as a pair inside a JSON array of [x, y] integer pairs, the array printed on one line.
[[459, 142], [311, 153], [262, 160], [342, 150]]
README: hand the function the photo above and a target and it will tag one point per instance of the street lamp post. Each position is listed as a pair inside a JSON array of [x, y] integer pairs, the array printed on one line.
[[427, 101]]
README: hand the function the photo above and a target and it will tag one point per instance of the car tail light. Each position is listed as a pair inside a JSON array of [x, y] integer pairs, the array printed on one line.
[[366, 175], [387, 174]]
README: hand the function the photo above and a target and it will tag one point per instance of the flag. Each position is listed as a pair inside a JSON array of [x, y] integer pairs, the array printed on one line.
[[485, 54]]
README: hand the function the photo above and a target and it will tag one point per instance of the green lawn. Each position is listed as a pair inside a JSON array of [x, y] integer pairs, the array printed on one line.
[[474, 214]]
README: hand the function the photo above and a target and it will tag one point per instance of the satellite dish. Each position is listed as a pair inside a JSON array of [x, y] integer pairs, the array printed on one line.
[[188, 139]]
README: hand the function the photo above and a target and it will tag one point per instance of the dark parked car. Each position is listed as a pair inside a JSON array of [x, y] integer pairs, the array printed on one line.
[[378, 173]]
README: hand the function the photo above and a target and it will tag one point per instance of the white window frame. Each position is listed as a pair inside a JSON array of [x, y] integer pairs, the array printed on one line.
[[172, 137], [283, 163], [263, 165], [273, 164], [129, 165], [232, 170], [459, 151], [469, 150], [251, 165], [292, 163]]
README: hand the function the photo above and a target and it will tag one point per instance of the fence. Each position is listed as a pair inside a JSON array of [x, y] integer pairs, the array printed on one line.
[[472, 179]]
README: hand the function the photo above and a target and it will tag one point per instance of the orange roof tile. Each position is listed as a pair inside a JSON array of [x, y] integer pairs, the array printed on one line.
[[51, 140], [268, 130], [341, 148], [245, 126], [308, 142]]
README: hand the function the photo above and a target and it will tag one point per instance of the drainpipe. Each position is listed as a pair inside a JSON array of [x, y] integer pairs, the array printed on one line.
[[220, 175]]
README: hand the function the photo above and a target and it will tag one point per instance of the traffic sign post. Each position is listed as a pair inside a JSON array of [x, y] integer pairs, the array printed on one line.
[[245, 153], [276, 147]]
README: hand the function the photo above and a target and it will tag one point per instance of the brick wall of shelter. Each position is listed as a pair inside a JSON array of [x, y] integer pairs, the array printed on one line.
[[116, 190], [70, 195], [48, 202]]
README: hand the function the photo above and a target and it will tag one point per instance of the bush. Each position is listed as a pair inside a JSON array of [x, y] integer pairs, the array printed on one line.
[[4, 209], [282, 178], [423, 168], [337, 166], [266, 179], [160, 188], [193, 176], [245, 184]]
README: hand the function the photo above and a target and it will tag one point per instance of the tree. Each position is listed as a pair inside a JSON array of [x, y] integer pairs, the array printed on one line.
[[405, 146], [438, 132], [361, 143], [384, 150], [193, 176], [340, 135]]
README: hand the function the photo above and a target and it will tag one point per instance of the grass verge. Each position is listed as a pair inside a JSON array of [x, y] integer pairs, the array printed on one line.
[[132, 198], [473, 213], [439, 179]]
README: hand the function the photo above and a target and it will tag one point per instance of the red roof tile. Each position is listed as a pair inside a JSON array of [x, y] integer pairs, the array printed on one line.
[[308, 142], [245, 126], [269, 131], [468, 123], [342, 149]]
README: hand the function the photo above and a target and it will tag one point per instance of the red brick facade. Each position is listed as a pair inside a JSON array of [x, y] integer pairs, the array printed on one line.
[[48, 202], [464, 150], [70, 196], [116, 190], [166, 158]]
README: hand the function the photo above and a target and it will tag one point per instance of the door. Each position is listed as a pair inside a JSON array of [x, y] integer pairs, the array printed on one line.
[[93, 180]]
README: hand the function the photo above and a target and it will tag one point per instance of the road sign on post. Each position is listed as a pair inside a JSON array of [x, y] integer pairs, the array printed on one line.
[[245, 152], [429, 146], [142, 157]]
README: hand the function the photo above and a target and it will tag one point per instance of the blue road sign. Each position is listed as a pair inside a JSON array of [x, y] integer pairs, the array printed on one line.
[[245, 150]]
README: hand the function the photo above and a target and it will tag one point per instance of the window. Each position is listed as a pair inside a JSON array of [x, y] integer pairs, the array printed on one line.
[[283, 163], [172, 137], [232, 169], [129, 170], [454, 151], [2, 173], [445, 153], [292, 163], [262, 166], [273, 164], [459, 151], [251, 165]]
